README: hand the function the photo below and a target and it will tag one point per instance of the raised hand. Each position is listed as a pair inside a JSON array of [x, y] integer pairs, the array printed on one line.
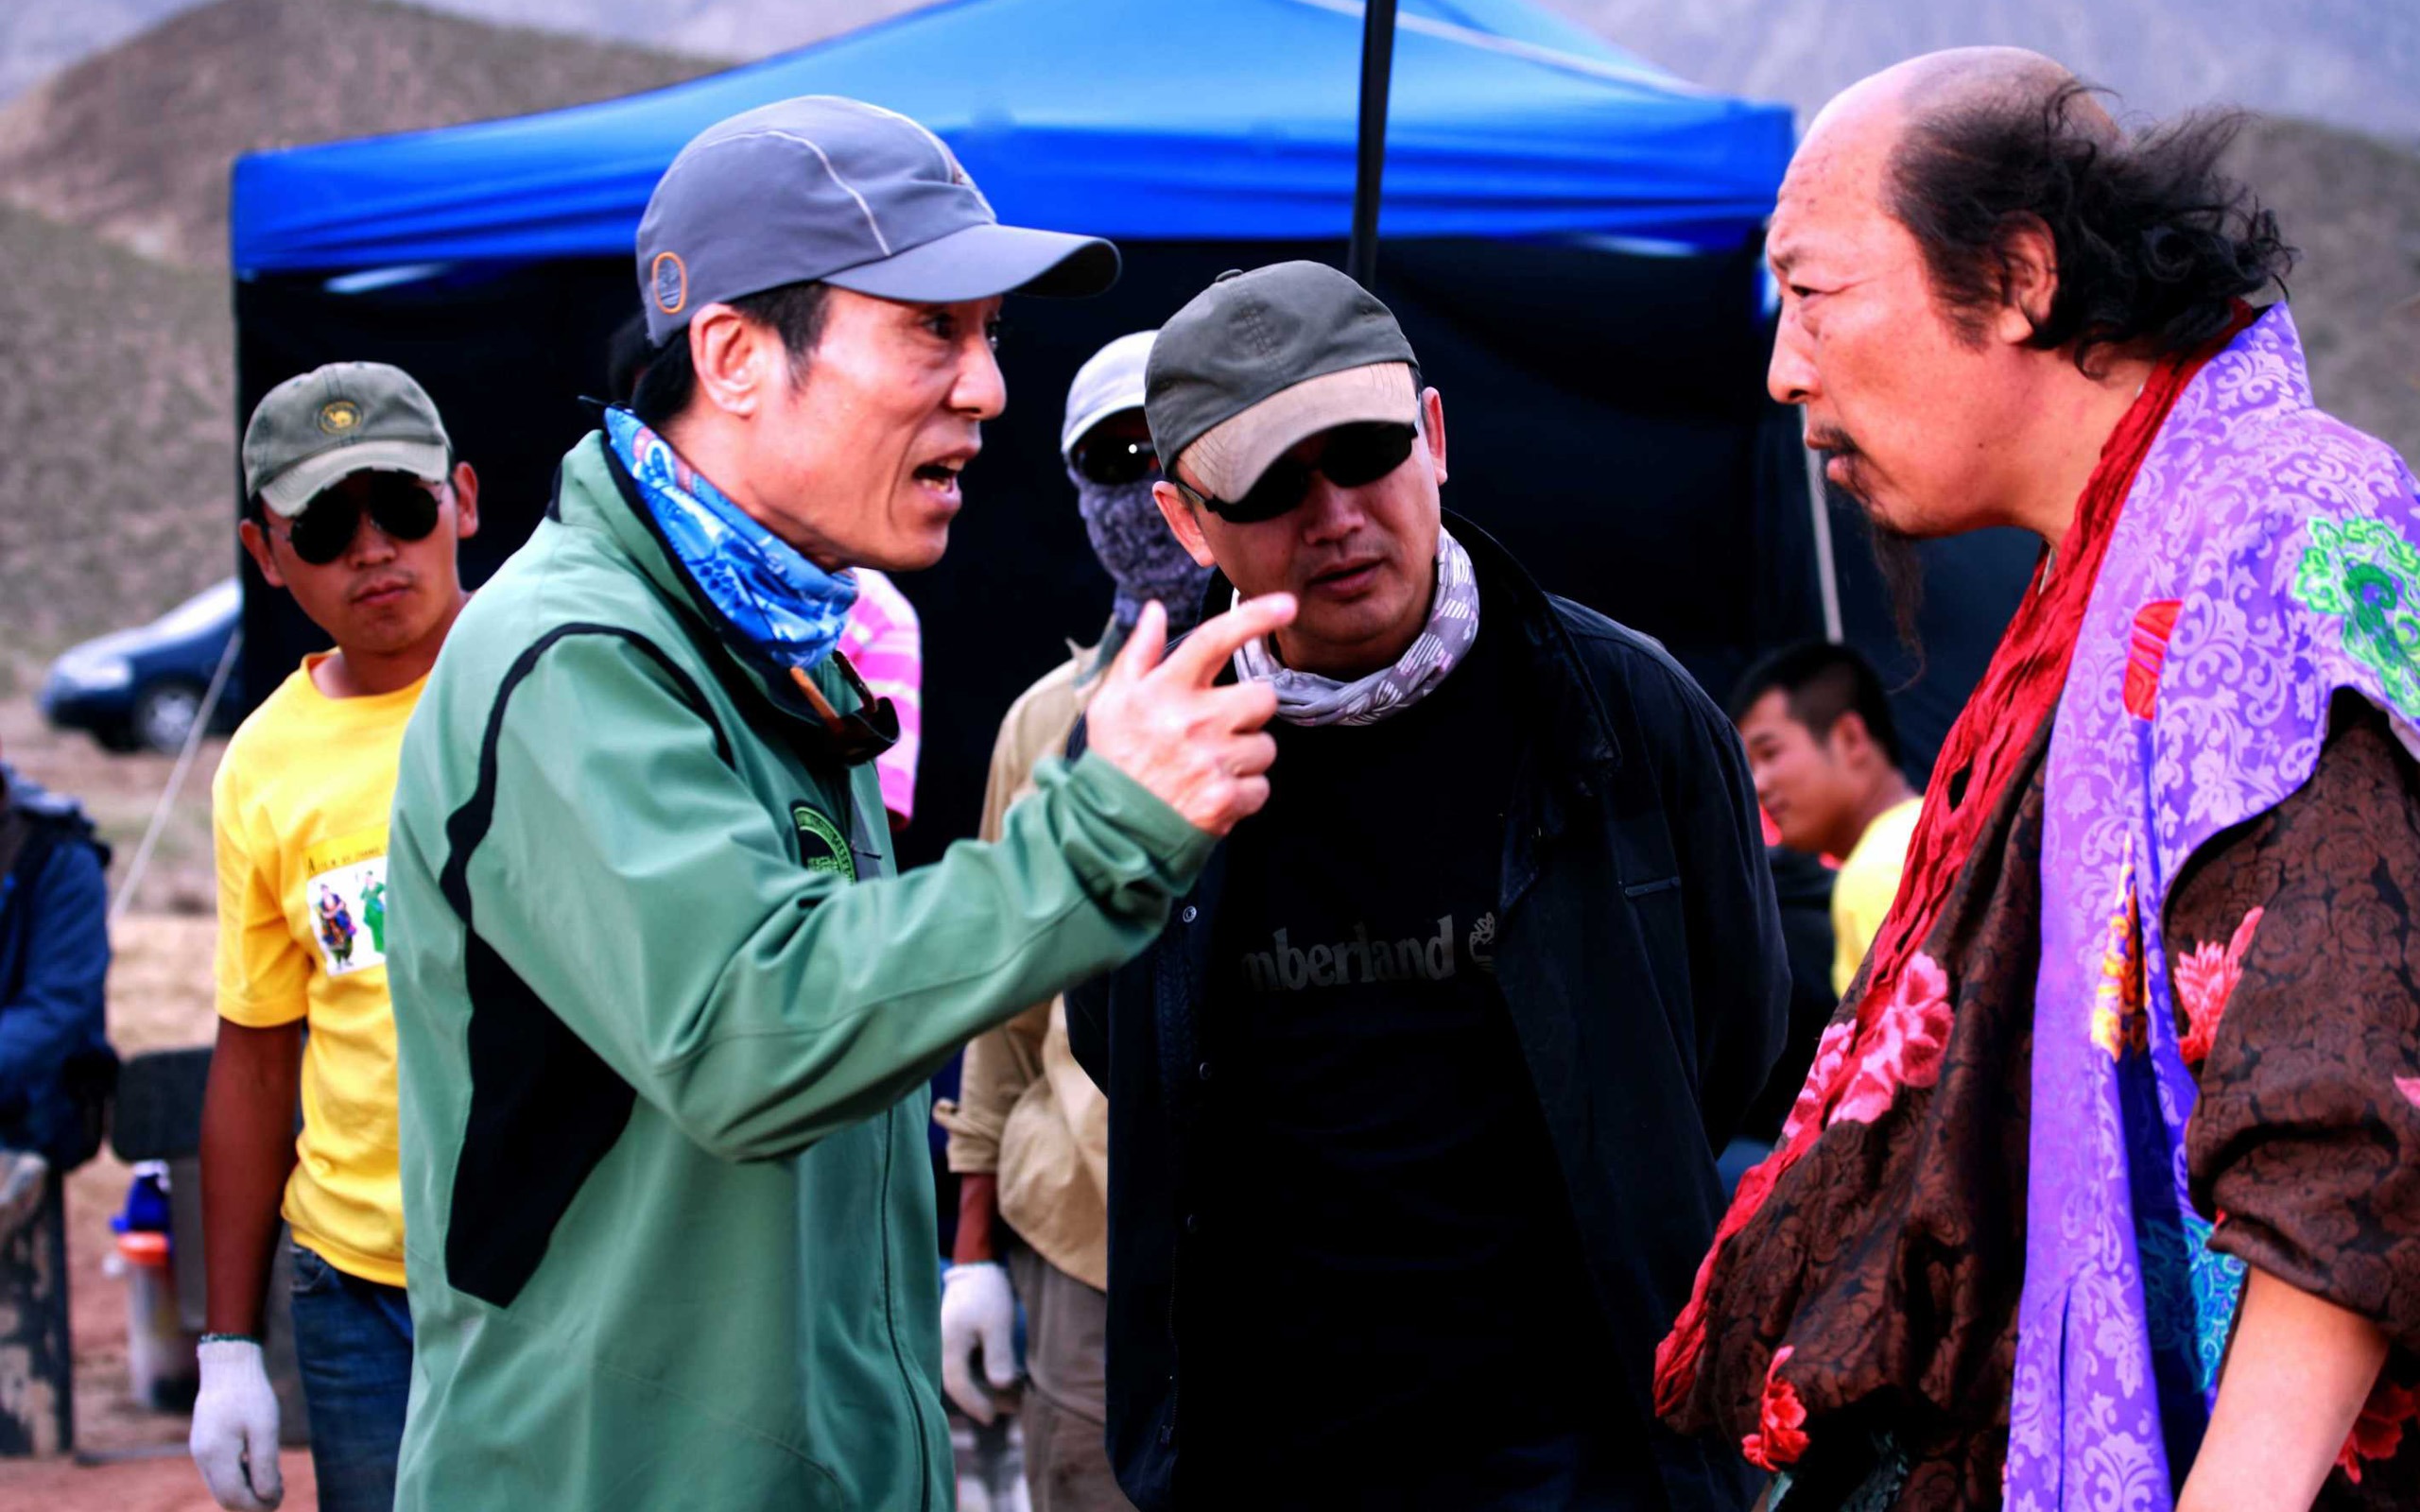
[[1198, 748]]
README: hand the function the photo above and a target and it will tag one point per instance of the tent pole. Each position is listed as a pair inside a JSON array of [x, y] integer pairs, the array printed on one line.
[[1827, 573], [1369, 161]]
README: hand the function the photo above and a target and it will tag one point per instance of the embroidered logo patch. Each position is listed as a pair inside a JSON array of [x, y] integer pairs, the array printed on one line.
[[339, 416], [2361, 571], [822, 847], [670, 279]]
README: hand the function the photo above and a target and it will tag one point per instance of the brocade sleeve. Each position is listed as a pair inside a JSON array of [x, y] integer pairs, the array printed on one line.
[[2292, 946]]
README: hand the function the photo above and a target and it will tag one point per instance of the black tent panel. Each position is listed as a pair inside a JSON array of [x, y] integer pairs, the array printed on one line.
[[1604, 413]]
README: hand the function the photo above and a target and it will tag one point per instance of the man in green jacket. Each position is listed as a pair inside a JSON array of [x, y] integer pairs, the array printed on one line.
[[664, 1012]]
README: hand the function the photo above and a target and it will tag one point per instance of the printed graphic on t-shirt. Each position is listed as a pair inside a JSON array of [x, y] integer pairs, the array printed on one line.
[[1433, 954], [345, 901]]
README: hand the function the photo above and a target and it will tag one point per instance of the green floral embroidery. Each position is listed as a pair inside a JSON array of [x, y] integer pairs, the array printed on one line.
[[2363, 571]]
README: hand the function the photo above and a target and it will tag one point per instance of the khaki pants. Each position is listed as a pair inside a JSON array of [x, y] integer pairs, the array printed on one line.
[[1066, 1460]]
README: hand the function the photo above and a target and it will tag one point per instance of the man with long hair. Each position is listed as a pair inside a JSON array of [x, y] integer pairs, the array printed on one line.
[[2101, 1190]]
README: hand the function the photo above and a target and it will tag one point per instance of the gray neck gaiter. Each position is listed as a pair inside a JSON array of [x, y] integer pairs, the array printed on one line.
[[1307, 698]]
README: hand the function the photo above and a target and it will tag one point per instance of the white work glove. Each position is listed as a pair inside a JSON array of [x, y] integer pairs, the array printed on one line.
[[978, 1308], [234, 1424]]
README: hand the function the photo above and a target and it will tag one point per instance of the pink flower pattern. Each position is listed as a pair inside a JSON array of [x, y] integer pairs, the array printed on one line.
[[1781, 1422], [1905, 1046], [2204, 979], [1830, 1053], [2378, 1432]]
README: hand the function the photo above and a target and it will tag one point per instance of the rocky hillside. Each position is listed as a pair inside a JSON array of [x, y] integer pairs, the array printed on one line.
[[2352, 206], [119, 403], [135, 141], [121, 453], [2351, 64]]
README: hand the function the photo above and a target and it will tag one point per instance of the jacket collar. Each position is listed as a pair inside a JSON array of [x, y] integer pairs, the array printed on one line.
[[593, 490]]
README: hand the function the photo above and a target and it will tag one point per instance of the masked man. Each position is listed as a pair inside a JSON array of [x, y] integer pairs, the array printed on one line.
[[668, 1015], [1413, 1107], [1029, 1132], [2104, 1189]]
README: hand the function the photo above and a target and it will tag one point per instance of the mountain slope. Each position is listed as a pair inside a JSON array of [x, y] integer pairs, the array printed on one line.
[[2351, 207], [119, 407], [135, 141], [38, 37], [2353, 63], [121, 451]]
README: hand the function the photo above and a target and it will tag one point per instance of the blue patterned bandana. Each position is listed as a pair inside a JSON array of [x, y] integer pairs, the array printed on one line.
[[770, 597]]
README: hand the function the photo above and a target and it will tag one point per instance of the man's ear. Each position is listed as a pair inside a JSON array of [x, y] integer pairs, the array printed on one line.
[[466, 502], [1432, 425], [731, 355], [1183, 523], [1849, 738], [2029, 282], [256, 543]]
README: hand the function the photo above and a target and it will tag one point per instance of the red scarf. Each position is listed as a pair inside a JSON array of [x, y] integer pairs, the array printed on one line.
[[2019, 690]]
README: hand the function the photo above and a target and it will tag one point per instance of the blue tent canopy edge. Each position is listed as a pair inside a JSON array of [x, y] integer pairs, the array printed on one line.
[[1221, 120]]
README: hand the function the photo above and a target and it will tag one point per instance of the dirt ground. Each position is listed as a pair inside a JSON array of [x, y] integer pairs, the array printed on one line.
[[128, 1458]]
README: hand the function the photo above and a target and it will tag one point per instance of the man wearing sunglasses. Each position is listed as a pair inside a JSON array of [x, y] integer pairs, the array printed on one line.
[[1414, 1105], [669, 1014], [353, 505], [1029, 1133]]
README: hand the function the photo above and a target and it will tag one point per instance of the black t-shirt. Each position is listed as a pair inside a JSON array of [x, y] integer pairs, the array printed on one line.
[[1385, 1302]]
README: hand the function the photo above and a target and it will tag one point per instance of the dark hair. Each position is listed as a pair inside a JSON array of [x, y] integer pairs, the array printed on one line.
[[667, 381], [627, 356], [2154, 244], [1822, 680]]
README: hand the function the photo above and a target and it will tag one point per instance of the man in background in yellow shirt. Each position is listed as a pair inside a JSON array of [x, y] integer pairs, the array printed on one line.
[[354, 503], [1825, 757]]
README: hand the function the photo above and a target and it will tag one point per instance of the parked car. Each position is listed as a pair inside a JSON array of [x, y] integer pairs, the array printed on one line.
[[142, 689]]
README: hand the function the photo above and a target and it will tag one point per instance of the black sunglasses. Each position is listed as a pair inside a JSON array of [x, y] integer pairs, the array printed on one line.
[[1114, 461], [402, 507], [860, 736], [1353, 455]]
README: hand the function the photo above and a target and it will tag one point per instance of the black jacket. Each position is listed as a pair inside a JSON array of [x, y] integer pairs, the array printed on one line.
[[56, 1066], [1640, 957]]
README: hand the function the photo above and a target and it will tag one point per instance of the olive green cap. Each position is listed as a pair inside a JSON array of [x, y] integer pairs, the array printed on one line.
[[1258, 361], [324, 425]]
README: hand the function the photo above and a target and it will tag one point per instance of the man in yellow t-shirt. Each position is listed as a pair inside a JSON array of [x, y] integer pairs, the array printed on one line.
[[1825, 757], [353, 505]]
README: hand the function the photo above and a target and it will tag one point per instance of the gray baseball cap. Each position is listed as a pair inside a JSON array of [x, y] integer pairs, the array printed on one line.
[[1258, 361], [1109, 383], [319, 428], [844, 193]]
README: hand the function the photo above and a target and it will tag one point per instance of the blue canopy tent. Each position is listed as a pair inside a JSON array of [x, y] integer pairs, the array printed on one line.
[[1225, 121], [1572, 241]]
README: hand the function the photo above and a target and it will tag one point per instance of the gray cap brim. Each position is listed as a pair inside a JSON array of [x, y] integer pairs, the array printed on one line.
[[982, 261]]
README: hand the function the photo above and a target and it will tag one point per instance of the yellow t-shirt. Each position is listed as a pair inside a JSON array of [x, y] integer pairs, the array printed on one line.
[[1861, 893], [300, 814]]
